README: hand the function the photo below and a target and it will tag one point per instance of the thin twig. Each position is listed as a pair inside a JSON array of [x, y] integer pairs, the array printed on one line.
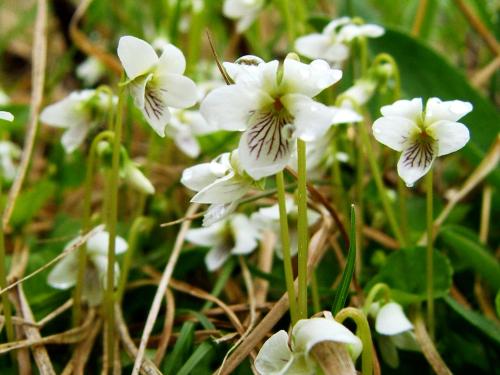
[[39, 59], [167, 327]]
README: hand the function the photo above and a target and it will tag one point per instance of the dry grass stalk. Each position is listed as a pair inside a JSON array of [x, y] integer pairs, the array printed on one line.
[[167, 327]]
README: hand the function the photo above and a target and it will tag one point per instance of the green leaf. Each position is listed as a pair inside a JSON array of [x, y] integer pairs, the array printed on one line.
[[425, 73], [405, 273], [497, 303], [466, 246], [201, 352], [489, 328], [182, 345], [343, 289], [31, 201]]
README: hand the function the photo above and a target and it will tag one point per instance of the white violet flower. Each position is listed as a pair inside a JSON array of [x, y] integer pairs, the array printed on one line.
[[420, 135], [64, 274], [269, 218], [232, 236], [277, 357], [395, 331], [8, 153], [219, 183], [332, 44], [156, 83], [244, 11], [77, 113], [272, 107], [90, 71]]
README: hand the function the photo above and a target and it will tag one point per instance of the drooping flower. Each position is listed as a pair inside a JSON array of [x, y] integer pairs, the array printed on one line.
[[277, 357], [220, 183], [244, 11], [156, 83], [8, 153], [333, 43], [421, 136], [183, 128], [269, 218], [232, 236], [6, 116], [272, 109], [64, 274], [90, 71], [395, 331], [78, 113]]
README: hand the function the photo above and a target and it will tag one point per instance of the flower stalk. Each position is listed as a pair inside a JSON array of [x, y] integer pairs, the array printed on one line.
[[285, 243], [302, 228], [430, 254]]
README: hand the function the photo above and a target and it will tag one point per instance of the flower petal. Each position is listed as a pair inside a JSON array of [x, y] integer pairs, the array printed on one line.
[[345, 116], [410, 109], [452, 110], [74, 137], [93, 288], [266, 146], [200, 176], [216, 257], [393, 132], [275, 357], [63, 275], [246, 70], [313, 46], [64, 113], [350, 32], [218, 212], [136, 56], [229, 107], [177, 90], [155, 109], [416, 160], [311, 119], [309, 332], [334, 25], [406, 341], [99, 242], [172, 61], [7, 116], [223, 190], [308, 79], [209, 236], [391, 320], [450, 136], [245, 235]]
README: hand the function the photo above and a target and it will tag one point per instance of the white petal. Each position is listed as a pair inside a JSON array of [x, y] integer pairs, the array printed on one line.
[[311, 119], [99, 242], [229, 107], [217, 212], [223, 190], [93, 289], [245, 70], [393, 132], [138, 90], [136, 179], [64, 113], [411, 109], [200, 176], [209, 236], [197, 123], [63, 275], [391, 320], [453, 110], [266, 146], [244, 233], [309, 332], [234, 8], [171, 61], [177, 90], [74, 137], [345, 116], [349, 32], [275, 357], [361, 92], [450, 136], [313, 46], [415, 161], [136, 56], [216, 257], [187, 143], [245, 22], [406, 341], [308, 79], [155, 109], [7, 116], [333, 25]]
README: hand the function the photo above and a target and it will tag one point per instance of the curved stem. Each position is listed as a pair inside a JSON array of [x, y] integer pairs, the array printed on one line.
[[285, 246], [112, 199], [363, 331], [287, 13], [430, 255], [302, 228], [374, 292]]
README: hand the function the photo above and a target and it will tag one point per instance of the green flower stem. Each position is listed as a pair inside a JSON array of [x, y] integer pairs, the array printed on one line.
[[112, 203], [195, 36], [360, 174], [380, 185], [302, 229], [315, 292], [301, 15], [373, 294], [363, 331], [337, 183], [403, 211], [285, 245], [7, 308], [290, 24], [430, 255], [82, 252], [140, 223], [363, 55]]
